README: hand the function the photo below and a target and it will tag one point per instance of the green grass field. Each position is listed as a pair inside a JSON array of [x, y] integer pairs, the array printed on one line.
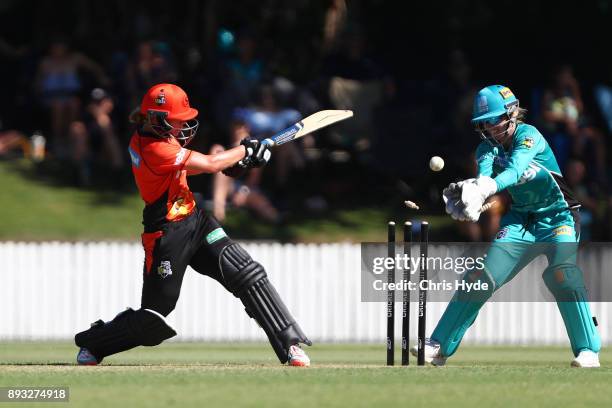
[[211, 375]]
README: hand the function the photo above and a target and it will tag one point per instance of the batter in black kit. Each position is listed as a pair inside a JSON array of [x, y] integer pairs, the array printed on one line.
[[179, 233]]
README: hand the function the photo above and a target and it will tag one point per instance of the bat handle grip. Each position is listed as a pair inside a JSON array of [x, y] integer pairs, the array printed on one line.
[[268, 142]]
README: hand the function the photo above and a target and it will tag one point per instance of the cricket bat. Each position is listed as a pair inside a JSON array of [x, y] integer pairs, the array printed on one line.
[[308, 125]]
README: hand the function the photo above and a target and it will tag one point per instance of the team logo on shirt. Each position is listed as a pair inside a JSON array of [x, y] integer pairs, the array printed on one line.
[[528, 142], [164, 269], [161, 99], [506, 93], [179, 208]]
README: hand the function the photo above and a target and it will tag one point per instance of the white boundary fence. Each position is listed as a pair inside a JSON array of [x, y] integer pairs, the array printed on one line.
[[52, 290]]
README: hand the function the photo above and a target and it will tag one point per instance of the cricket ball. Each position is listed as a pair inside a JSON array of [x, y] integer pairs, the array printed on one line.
[[436, 163]]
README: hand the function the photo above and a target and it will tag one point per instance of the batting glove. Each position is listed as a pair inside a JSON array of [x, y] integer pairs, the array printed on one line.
[[257, 153]]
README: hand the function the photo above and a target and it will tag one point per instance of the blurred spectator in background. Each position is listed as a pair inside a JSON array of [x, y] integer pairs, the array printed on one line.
[[267, 118], [246, 69], [152, 64], [335, 20], [358, 83], [94, 141], [575, 175], [453, 115], [11, 141], [59, 85], [570, 131], [242, 75], [561, 109], [240, 193], [12, 59], [603, 97]]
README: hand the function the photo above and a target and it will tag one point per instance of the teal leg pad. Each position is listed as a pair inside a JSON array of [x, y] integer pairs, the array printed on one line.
[[566, 283], [453, 324], [505, 258], [462, 311]]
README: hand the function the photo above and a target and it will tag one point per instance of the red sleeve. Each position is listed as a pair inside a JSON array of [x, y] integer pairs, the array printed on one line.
[[165, 157]]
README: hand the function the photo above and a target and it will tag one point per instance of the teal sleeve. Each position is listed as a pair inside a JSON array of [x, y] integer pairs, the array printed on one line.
[[526, 146], [484, 158]]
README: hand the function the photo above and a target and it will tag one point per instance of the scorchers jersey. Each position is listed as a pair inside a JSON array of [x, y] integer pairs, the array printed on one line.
[[157, 164], [528, 170]]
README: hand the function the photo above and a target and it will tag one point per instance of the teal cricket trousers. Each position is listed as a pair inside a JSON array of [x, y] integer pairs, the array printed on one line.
[[521, 238]]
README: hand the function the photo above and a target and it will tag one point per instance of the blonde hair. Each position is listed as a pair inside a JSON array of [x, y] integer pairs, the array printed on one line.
[[520, 114]]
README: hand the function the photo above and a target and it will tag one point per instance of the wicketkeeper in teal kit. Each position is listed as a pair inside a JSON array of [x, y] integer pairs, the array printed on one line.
[[543, 219]]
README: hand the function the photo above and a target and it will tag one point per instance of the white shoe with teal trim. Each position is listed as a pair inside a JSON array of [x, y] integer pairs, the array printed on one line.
[[297, 357], [586, 359], [432, 353]]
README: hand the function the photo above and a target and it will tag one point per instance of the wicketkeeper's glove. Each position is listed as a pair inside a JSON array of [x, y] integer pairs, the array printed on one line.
[[474, 194], [451, 196]]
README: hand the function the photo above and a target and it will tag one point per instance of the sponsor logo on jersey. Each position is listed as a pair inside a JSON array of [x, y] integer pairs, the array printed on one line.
[[563, 230], [528, 142], [180, 156], [215, 235], [529, 174], [164, 269], [134, 157], [506, 93]]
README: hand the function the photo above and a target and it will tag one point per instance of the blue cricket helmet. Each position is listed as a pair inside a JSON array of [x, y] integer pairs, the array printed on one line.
[[493, 101]]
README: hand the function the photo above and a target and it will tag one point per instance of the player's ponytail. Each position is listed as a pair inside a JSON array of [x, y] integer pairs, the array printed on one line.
[[137, 118], [520, 113]]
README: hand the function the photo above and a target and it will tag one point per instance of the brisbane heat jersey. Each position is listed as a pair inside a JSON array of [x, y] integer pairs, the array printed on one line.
[[528, 170], [157, 164]]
